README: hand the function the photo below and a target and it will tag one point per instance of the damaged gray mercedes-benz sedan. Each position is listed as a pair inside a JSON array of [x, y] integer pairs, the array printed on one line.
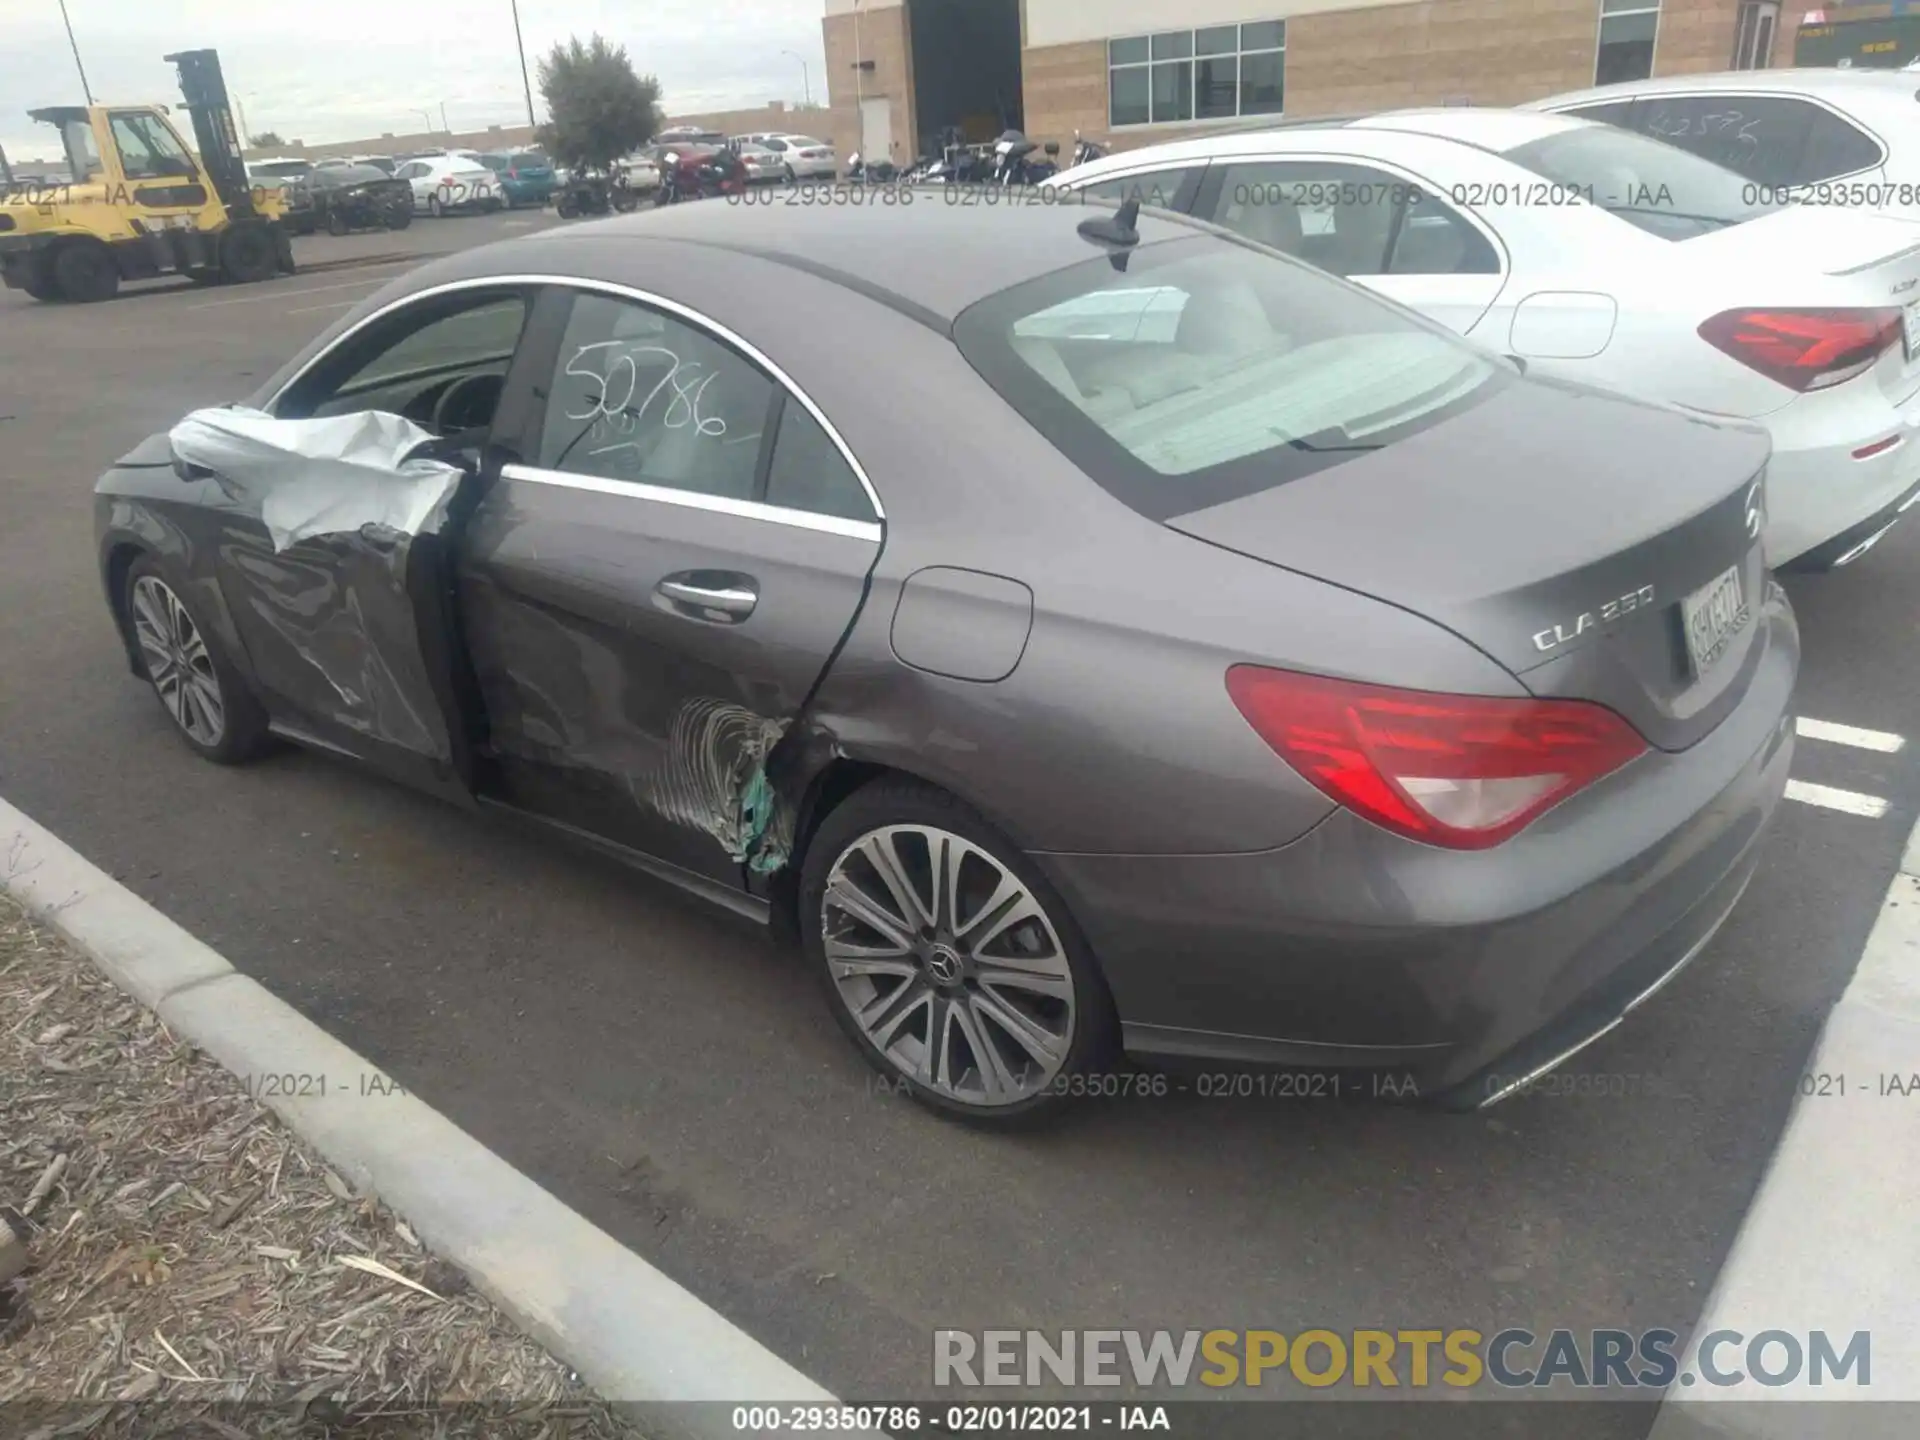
[[1089, 630]]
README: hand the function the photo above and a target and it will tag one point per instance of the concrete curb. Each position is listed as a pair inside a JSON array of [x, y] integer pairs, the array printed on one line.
[[1832, 1239], [634, 1335]]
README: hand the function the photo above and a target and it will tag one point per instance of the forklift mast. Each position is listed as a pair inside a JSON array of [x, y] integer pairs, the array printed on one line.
[[204, 89]]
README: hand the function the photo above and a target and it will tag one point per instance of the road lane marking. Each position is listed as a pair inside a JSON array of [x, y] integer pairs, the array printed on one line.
[[308, 290], [315, 309], [1884, 741], [1850, 802]]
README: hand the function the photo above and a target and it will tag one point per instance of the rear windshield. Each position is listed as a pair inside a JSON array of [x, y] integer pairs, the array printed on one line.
[[354, 174], [1210, 370], [524, 161], [1661, 188]]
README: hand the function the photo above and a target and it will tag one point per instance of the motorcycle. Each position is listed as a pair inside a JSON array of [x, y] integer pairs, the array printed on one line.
[[591, 193], [1086, 151], [880, 172], [1012, 165], [700, 175]]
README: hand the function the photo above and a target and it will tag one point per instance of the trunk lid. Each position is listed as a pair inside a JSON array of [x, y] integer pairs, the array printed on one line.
[[1557, 528]]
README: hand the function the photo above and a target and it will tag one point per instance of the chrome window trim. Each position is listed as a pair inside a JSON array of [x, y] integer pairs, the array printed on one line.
[[868, 530], [645, 297]]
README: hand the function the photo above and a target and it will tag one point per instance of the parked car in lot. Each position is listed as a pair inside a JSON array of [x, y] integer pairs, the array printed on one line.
[[1601, 255], [443, 184], [762, 165], [524, 178], [1107, 631], [1828, 137], [358, 197], [805, 158], [641, 170]]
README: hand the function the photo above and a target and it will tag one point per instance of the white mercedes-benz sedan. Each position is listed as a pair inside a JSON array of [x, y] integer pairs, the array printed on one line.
[[1602, 255]]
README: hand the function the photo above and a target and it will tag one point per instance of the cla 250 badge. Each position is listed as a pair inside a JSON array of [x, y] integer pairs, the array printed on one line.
[[1554, 636]]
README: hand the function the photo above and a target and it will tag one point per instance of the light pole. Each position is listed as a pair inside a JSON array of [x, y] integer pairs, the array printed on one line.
[[521, 45], [443, 119], [426, 115], [85, 88], [806, 76]]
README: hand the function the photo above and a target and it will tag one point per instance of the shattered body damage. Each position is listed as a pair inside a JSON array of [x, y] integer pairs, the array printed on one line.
[[715, 779], [328, 606]]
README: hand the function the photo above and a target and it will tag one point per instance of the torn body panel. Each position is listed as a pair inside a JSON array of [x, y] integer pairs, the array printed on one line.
[[614, 706], [333, 564]]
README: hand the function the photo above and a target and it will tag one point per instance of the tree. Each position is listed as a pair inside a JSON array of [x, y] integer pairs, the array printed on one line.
[[265, 140], [599, 108]]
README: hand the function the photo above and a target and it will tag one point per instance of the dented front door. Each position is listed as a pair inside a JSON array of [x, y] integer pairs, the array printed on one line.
[[649, 601], [331, 555]]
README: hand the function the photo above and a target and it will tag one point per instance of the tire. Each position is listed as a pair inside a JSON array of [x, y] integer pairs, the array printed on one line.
[[943, 984], [248, 254], [337, 223], [565, 208], [84, 272], [238, 731], [792, 179], [399, 219], [436, 207], [38, 280]]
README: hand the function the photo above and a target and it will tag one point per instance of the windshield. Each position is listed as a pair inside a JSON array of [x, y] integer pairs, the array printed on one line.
[[1661, 188], [1209, 370]]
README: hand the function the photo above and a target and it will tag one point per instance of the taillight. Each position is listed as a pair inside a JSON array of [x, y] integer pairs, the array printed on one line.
[[1805, 349], [1460, 771]]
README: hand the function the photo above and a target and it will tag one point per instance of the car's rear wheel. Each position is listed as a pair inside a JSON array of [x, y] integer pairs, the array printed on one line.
[[948, 959], [436, 207], [83, 270], [197, 685], [399, 219]]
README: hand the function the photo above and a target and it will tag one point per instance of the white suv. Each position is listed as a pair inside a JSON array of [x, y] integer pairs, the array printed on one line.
[[1828, 137]]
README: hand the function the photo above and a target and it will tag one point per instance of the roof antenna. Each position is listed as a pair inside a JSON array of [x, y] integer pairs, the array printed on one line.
[[1115, 233]]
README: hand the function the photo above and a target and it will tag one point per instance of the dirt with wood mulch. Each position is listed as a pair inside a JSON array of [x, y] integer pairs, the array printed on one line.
[[193, 1269]]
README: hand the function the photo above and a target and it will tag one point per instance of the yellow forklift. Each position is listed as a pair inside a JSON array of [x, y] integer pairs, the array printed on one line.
[[140, 203]]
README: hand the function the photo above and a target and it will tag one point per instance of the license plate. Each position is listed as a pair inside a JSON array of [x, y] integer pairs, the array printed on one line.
[[1910, 327], [1712, 616]]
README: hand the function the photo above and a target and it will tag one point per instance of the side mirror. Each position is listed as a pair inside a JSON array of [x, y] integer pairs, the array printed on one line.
[[1053, 147], [187, 470]]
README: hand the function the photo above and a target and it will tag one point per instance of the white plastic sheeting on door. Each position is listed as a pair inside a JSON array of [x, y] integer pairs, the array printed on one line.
[[328, 476]]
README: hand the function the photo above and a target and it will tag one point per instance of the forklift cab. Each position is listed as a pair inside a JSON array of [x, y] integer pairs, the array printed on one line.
[[141, 203]]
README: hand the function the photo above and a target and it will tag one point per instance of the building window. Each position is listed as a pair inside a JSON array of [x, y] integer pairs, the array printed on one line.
[[1753, 35], [1219, 73], [1626, 40]]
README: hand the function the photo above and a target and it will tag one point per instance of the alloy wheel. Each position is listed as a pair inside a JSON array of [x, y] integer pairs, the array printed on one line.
[[178, 661], [948, 964]]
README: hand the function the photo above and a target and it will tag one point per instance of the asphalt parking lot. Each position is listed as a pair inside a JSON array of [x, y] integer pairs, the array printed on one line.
[[675, 1077]]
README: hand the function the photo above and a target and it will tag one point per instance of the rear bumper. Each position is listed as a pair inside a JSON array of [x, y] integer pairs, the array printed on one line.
[[1817, 491], [1353, 949]]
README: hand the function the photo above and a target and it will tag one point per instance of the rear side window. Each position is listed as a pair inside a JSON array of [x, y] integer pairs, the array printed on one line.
[[1607, 112], [1836, 147], [1769, 139], [809, 473], [1660, 188], [1208, 370]]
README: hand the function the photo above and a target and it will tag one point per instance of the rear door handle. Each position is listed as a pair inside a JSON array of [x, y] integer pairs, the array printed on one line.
[[722, 598]]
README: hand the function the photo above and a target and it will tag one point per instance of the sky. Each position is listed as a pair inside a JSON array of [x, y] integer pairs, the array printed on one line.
[[328, 70]]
